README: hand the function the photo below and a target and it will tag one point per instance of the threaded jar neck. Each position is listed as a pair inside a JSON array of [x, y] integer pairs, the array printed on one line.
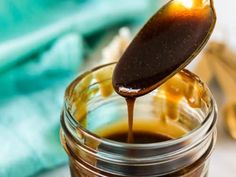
[[107, 157]]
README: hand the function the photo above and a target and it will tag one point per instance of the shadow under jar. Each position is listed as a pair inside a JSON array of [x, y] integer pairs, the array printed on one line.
[[95, 124]]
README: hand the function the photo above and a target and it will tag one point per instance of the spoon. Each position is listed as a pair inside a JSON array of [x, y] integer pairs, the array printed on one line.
[[224, 53], [228, 86], [216, 51], [166, 44], [203, 69]]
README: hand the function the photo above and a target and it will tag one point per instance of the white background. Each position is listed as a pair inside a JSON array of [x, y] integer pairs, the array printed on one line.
[[223, 163]]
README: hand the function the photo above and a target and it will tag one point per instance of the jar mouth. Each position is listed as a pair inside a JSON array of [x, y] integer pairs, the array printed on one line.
[[206, 124]]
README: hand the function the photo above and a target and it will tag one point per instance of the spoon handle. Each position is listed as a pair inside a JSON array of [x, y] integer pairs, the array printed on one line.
[[225, 79], [204, 70]]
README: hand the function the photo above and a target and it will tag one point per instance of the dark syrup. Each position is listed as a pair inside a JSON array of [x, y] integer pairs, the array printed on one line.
[[164, 46], [139, 137]]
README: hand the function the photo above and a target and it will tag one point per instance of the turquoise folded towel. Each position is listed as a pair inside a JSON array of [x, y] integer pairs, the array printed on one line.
[[42, 46]]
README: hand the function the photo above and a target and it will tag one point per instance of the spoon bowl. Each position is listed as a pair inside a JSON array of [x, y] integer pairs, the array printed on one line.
[[165, 45]]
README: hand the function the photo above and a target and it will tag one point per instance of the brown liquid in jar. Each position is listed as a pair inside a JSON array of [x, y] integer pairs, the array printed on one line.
[[194, 170], [184, 85], [139, 137]]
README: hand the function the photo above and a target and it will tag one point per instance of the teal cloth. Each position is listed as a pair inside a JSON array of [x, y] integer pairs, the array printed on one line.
[[42, 46]]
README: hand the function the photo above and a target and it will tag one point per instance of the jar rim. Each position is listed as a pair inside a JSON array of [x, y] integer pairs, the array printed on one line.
[[206, 122]]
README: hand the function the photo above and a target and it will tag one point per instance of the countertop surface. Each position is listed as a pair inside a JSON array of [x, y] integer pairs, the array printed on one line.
[[223, 162]]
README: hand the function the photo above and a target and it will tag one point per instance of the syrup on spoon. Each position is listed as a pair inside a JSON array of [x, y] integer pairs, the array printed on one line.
[[165, 45]]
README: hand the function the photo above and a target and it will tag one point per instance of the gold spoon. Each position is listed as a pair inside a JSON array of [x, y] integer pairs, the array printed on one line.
[[225, 55], [228, 86], [216, 51], [203, 69]]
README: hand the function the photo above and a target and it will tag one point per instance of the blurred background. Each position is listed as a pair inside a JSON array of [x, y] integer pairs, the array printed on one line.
[[45, 44]]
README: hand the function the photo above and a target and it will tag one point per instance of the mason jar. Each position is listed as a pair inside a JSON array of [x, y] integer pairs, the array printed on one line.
[[93, 112]]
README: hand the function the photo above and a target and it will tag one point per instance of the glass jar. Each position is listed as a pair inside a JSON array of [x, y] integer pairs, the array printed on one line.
[[92, 111]]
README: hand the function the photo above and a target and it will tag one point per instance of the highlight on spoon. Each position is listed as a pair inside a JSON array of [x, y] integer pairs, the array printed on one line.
[[193, 3], [186, 3]]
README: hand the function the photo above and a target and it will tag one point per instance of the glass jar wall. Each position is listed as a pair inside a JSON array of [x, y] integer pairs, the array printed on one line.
[[93, 113]]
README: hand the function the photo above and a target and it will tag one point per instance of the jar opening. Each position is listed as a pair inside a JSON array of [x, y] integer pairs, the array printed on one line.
[[93, 89]]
